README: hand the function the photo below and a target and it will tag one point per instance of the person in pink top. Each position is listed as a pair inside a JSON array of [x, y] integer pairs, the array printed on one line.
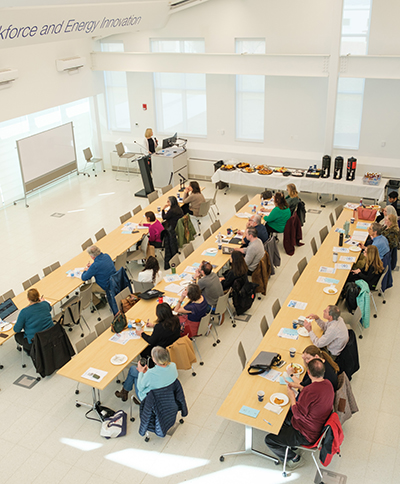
[[307, 417], [155, 229]]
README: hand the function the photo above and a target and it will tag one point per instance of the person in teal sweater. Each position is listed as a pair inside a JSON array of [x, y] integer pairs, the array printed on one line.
[[163, 374], [32, 319], [280, 214]]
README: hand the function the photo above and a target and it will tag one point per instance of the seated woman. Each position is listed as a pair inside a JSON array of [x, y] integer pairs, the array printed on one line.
[[280, 214], [293, 197], [171, 213], [166, 329], [331, 368], [151, 271], [191, 314], [32, 319], [372, 269], [146, 379], [391, 231], [155, 229], [238, 271], [192, 199], [382, 217]]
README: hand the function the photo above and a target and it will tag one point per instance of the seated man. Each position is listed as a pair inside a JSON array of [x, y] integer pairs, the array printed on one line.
[[101, 269], [307, 418], [254, 252], [375, 238], [262, 232], [209, 283], [393, 200], [155, 229], [163, 374], [335, 335]]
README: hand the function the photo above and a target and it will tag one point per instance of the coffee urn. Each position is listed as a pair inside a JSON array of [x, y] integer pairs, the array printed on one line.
[[338, 170], [326, 166], [351, 169]]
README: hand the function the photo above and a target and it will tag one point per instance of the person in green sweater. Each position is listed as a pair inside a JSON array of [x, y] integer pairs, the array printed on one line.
[[280, 214]]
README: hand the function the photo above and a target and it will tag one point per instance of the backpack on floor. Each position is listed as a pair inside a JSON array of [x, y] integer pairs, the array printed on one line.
[[114, 426]]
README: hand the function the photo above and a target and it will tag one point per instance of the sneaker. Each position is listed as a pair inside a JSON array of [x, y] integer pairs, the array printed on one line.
[[295, 463]]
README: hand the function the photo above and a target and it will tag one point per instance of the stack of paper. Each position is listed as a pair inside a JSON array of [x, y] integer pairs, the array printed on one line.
[[288, 333]]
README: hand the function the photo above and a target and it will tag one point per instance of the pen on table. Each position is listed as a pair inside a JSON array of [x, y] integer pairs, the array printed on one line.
[[269, 423]]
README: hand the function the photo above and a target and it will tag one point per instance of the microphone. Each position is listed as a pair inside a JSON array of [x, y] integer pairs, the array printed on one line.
[[182, 182]]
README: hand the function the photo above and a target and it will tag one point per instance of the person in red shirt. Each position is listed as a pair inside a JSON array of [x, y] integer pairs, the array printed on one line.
[[307, 418], [155, 229]]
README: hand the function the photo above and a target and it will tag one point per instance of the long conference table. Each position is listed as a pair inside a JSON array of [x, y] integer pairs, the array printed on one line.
[[306, 290], [277, 181]]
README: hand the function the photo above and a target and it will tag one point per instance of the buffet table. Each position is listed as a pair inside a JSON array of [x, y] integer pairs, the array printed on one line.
[[277, 181]]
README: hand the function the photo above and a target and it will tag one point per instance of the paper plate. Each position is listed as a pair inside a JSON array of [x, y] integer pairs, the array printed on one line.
[[242, 215], [302, 331], [212, 251], [280, 396], [331, 290], [119, 359], [355, 248], [184, 283], [7, 327], [298, 373]]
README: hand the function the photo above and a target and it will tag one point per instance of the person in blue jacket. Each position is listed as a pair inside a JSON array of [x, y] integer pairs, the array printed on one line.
[[32, 319], [102, 268]]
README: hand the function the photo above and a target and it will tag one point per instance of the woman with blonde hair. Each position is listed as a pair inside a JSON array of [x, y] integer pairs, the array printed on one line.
[[391, 232], [293, 197], [331, 368], [34, 318], [372, 270], [150, 141]]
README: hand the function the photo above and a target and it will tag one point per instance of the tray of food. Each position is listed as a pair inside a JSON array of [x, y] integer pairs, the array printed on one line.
[[242, 165], [265, 171], [249, 169], [227, 167]]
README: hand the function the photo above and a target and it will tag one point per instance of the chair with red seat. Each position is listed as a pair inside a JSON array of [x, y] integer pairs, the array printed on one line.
[[328, 444]]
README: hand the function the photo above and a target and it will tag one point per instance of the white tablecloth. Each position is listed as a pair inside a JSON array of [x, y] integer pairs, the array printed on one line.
[[354, 188]]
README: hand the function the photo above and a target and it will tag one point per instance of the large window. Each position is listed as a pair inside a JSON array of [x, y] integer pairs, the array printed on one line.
[[250, 95], [116, 88], [181, 103], [350, 95], [79, 112]]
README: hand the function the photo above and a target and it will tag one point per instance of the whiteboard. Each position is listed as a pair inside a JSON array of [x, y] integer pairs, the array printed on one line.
[[46, 156]]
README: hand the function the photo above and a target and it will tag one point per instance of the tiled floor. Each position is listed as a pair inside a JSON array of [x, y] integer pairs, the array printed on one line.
[[45, 439]]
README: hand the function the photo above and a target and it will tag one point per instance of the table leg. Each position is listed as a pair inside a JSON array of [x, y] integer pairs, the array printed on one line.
[[248, 442], [95, 405], [319, 198]]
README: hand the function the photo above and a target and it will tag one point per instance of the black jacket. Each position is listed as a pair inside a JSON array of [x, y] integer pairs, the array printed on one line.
[[170, 244], [51, 350], [171, 217], [160, 337]]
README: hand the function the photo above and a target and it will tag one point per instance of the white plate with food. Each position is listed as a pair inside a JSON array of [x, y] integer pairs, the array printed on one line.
[[279, 399], [302, 331], [330, 290], [6, 326], [137, 323], [212, 251], [295, 368], [119, 359], [355, 248]]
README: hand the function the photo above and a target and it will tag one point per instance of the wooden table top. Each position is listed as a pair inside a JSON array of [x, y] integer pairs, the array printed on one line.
[[308, 290]]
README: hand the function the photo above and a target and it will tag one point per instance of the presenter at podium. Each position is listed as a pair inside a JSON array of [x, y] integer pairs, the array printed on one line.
[[150, 143]]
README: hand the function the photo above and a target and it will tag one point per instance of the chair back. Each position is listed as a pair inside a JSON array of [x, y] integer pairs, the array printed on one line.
[[8, 295], [80, 345], [302, 265], [87, 153], [125, 217], [120, 149], [121, 295], [222, 304], [207, 234], [239, 205], [152, 196], [88, 243], [214, 198], [276, 307], [323, 233], [89, 338], [215, 226], [72, 313], [99, 328], [120, 261], [46, 271], [204, 325], [313, 246], [245, 199], [142, 286], [107, 321], [175, 260], [204, 208], [86, 295], [338, 211], [264, 326], [182, 353], [100, 234], [331, 220], [26, 285], [295, 277], [166, 189], [136, 209], [188, 249], [145, 245], [55, 266], [34, 279], [242, 355]]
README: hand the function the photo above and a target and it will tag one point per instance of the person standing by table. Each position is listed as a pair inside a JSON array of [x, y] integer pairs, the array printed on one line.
[[336, 334], [307, 417], [32, 319], [150, 143], [192, 199]]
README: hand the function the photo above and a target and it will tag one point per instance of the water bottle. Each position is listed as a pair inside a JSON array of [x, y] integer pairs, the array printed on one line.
[[219, 241], [346, 227]]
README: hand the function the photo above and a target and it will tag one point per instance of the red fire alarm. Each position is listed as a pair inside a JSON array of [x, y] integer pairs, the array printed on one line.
[[144, 107]]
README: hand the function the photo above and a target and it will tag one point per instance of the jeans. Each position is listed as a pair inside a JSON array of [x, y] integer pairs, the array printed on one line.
[[131, 380]]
